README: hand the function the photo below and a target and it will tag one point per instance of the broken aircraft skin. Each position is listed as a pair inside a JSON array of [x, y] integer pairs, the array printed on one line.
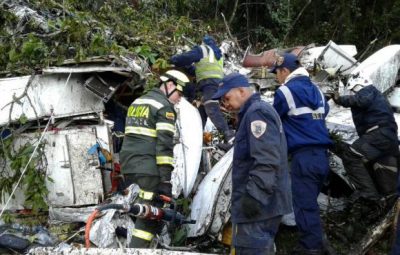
[[88, 85]]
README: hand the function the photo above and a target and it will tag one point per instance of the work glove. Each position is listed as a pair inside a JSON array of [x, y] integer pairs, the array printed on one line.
[[332, 94], [225, 146], [165, 188], [336, 97], [251, 207]]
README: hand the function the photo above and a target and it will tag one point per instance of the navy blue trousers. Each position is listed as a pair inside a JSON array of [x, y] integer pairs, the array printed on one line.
[[255, 237], [309, 170], [208, 88]]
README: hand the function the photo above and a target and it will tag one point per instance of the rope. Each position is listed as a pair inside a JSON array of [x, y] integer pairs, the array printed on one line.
[[26, 167]]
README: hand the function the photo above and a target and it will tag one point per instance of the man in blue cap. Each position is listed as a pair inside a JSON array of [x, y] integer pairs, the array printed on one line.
[[207, 62], [302, 108], [260, 179]]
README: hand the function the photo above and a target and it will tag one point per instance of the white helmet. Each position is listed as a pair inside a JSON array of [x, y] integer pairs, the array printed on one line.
[[179, 78], [359, 79]]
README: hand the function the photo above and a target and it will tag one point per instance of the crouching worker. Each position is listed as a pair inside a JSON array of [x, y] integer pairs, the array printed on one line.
[[371, 161], [147, 150], [260, 180]]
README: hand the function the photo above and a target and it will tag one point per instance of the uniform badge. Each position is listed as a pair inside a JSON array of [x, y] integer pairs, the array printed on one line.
[[170, 115], [258, 128]]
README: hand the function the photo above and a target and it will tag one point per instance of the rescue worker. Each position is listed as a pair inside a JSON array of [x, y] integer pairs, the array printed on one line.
[[260, 179], [147, 150], [371, 160], [302, 109], [207, 61]]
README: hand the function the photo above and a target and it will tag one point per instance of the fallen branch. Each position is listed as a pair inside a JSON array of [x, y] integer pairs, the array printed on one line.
[[43, 35], [374, 234], [16, 99], [230, 35]]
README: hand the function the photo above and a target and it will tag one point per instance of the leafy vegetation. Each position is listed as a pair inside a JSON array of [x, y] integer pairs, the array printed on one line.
[[79, 29], [153, 29], [13, 162]]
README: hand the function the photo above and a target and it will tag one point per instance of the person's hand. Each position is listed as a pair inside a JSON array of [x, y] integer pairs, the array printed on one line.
[[165, 188], [251, 207], [332, 94], [336, 96]]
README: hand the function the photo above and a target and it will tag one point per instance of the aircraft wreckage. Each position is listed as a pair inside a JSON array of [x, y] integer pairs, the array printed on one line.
[[80, 111]]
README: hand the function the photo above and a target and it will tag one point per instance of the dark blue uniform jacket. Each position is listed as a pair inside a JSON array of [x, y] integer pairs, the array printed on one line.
[[260, 165], [369, 108]]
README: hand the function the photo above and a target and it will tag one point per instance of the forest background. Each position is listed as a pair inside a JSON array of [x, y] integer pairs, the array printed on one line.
[[56, 30]]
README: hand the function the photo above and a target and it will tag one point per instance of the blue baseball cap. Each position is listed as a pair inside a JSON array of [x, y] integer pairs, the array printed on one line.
[[287, 60], [233, 80]]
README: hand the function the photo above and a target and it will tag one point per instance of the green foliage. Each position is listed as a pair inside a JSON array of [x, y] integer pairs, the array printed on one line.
[[146, 52], [152, 29], [23, 119], [31, 53], [34, 179], [81, 29], [8, 218], [179, 236], [161, 64]]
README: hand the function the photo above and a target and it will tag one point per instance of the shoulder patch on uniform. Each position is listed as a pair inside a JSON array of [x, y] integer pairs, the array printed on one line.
[[170, 115], [258, 128]]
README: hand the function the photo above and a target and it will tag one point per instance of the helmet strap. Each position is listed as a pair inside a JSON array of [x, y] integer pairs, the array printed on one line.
[[167, 93]]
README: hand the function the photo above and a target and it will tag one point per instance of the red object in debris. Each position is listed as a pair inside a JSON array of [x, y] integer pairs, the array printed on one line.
[[24, 211], [89, 223], [115, 177], [267, 58]]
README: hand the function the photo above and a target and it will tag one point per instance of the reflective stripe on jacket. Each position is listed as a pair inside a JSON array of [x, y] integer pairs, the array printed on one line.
[[209, 66], [302, 108], [149, 131]]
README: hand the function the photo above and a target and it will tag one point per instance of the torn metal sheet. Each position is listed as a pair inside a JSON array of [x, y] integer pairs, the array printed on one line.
[[204, 202], [102, 233], [47, 93], [129, 66], [394, 98], [332, 56], [187, 153], [382, 67], [70, 214], [223, 205], [85, 69], [25, 14], [76, 180]]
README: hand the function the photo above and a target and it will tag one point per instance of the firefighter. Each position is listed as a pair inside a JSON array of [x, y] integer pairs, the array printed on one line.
[[207, 62], [147, 150], [260, 178], [302, 109], [371, 160]]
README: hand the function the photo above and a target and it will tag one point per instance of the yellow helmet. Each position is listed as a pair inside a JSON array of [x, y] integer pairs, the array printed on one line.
[[180, 79]]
